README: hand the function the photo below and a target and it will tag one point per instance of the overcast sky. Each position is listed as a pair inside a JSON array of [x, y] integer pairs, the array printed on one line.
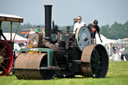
[[63, 11]]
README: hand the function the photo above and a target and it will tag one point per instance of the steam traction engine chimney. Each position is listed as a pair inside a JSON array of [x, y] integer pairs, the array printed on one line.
[[48, 16]]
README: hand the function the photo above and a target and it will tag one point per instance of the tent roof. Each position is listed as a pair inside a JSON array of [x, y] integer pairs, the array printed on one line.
[[104, 39], [17, 37], [11, 18]]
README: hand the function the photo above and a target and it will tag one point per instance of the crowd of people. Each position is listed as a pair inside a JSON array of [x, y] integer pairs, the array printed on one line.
[[34, 37], [119, 52]]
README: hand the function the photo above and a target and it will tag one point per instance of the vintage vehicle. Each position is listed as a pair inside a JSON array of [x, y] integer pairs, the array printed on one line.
[[61, 54], [6, 46]]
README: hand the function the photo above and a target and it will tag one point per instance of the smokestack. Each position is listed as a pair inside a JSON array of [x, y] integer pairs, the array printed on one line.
[[48, 16]]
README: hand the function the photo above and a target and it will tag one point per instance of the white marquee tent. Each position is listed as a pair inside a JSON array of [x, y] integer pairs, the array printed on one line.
[[104, 39], [18, 38]]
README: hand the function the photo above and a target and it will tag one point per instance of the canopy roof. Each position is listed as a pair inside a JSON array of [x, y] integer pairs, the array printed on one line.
[[18, 37], [10, 18], [104, 39]]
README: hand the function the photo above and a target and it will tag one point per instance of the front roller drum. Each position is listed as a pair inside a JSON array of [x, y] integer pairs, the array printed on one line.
[[28, 66], [94, 61]]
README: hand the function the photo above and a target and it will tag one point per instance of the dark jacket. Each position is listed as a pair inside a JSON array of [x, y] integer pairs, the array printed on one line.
[[93, 29]]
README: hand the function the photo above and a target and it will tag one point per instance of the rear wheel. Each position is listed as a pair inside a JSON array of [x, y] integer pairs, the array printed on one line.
[[6, 58], [94, 61]]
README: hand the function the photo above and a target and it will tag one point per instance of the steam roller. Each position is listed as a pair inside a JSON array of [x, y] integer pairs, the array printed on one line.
[[62, 54]]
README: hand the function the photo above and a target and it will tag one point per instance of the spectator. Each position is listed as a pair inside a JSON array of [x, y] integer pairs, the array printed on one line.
[[31, 32], [36, 39]]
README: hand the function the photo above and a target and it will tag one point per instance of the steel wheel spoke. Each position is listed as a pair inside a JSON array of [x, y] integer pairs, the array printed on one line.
[[95, 68], [2, 50], [4, 54], [93, 65], [8, 58], [4, 63], [96, 62], [93, 60], [3, 67], [96, 54]]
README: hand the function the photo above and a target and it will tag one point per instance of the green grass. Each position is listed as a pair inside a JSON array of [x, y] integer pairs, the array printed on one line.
[[117, 75]]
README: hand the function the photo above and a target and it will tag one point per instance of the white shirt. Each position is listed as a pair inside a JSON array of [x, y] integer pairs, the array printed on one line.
[[78, 25], [31, 32]]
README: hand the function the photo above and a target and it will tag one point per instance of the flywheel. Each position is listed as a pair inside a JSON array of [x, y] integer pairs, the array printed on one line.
[[83, 37]]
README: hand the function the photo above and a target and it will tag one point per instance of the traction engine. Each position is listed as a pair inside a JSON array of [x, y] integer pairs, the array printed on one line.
[[62, 54]]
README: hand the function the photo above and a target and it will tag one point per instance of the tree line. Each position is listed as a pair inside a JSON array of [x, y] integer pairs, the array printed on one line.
[[115, 31]]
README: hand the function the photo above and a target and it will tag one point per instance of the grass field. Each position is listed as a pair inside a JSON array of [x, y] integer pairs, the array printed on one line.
[[117, 75]]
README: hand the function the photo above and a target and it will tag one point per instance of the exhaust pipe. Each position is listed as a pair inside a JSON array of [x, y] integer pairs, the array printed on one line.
[[48, 16]]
